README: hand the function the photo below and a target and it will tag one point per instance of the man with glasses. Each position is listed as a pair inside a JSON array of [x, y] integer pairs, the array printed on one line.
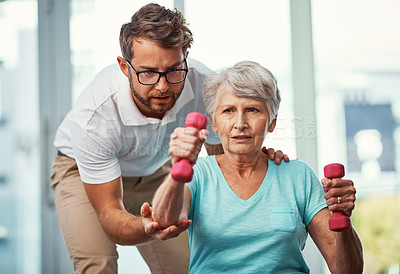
[[116, 139]]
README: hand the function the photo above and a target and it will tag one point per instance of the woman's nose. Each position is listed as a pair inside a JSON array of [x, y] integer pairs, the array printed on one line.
[[241, 122]]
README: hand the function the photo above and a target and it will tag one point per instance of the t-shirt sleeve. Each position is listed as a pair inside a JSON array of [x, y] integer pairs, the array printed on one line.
[[199, 170], [192, 185], [95, 155], [315, 200]]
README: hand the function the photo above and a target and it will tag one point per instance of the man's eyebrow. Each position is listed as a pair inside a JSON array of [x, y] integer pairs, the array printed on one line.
[[149, 68]]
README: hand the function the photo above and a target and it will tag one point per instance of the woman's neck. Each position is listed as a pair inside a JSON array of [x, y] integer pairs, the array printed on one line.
[[243, 165]]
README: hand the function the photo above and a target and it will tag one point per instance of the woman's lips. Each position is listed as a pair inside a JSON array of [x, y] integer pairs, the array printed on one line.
[[241, 138]]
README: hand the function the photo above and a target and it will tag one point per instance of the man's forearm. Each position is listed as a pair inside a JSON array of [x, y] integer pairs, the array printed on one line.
[[123, 228], [120, 226]]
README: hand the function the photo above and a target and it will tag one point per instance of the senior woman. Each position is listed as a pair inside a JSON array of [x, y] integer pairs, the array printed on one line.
[[247, 214]]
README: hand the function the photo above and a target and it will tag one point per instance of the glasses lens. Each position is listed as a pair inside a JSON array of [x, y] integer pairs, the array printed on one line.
[[176, 76], [148, 77]]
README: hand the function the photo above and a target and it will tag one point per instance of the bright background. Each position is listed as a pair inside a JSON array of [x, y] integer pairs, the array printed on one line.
[[356, 46]]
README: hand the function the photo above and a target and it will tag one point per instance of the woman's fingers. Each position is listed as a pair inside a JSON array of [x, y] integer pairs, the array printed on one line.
[[186, 143], [340, 195]]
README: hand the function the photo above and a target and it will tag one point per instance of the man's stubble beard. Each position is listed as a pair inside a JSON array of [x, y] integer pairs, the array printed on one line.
[[146, 102]]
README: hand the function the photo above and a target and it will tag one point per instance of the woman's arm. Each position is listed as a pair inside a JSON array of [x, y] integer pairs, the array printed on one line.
[[171, 202], [349, 253], [342, 250]]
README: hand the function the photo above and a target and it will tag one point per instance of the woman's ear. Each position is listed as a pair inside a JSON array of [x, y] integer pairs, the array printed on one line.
[[272, 125], [213, 126]]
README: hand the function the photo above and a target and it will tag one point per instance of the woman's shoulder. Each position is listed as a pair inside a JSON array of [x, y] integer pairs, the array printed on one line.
[[206, 165], [206, 161], [293, 165]]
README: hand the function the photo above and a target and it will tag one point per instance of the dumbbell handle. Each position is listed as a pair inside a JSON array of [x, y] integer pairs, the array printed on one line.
[[182, 170], [339, 221]]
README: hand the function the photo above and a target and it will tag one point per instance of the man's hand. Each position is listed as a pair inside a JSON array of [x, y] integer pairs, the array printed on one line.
[[278, 155], [154, 230]]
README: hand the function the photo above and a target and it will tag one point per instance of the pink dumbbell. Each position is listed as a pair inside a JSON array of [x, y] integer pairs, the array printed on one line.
[[339, 221], [182, 171]]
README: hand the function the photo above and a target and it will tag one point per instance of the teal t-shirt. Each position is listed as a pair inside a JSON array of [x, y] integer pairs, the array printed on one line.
[[264, 234]]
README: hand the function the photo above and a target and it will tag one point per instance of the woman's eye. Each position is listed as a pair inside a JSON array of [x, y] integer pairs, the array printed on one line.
[[227, 111], [252, 110]]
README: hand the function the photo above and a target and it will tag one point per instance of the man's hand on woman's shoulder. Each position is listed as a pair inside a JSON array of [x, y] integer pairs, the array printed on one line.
[[276, 155]]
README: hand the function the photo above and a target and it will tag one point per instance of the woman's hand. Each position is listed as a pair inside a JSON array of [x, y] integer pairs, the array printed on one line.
[[340, 195], [153, 229], [186, 143]]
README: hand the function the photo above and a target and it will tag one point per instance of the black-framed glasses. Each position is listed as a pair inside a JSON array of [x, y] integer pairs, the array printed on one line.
[[173, 76]]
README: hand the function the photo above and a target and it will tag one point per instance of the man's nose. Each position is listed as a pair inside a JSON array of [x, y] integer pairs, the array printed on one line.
[[162, 85]]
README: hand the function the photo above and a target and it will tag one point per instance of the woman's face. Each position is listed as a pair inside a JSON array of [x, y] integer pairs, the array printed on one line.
[[240, 122]]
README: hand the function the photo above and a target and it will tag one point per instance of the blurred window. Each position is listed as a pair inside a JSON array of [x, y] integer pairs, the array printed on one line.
[[357, 66], [20, 217]]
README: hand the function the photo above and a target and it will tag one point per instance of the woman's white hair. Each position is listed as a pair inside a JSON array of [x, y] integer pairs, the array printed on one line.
[[245, 79]]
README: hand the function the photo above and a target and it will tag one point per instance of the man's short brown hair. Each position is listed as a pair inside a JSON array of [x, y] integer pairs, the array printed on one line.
[[166, 27]]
